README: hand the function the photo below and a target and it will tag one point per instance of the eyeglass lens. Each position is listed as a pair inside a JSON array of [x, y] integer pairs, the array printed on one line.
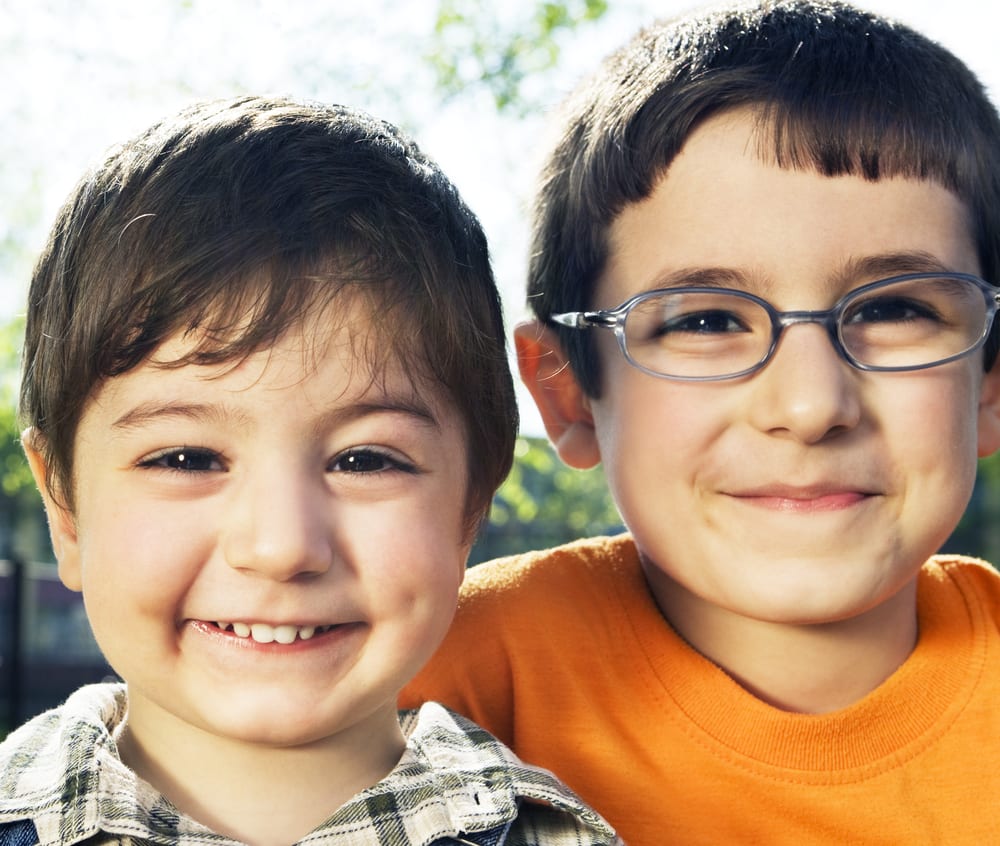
[[909, 323]]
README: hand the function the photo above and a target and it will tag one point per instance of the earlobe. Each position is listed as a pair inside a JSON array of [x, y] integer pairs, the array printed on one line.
[[62, 524], [564, 407], [989, 413]]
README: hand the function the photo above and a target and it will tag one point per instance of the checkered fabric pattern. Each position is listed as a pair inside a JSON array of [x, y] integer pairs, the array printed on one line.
[[455, 784]]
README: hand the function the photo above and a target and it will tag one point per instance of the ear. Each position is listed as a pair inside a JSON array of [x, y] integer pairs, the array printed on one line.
[[564, 407], [989, 413], [62, 524]]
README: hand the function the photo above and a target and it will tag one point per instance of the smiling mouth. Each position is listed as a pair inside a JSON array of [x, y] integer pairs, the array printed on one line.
[[266, 633], [805, 501]]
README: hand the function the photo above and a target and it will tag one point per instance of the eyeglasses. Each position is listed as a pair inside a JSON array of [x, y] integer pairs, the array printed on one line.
[[700, 333]]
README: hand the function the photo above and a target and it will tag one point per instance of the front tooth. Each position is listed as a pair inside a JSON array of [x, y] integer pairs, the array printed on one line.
[[262, 632], [241, 630], [223, 626], [285, 634], [307, 632]]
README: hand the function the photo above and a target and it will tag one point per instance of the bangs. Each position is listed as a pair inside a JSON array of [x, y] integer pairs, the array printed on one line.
[[231, 316], [859, 136]]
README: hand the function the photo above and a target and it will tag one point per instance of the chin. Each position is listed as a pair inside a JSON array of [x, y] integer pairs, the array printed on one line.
[[277, 733], [814, 608]]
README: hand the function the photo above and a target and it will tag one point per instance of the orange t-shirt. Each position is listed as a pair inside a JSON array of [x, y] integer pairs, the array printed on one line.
[[564, 655]]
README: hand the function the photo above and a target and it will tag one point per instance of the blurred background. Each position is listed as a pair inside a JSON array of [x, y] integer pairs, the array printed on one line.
[[473, 80]]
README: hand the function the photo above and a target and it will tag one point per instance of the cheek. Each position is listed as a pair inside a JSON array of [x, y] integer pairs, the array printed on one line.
[[931, 425], [413, 595], [409, 554], [642, 421], [946, 403], [142, 553]]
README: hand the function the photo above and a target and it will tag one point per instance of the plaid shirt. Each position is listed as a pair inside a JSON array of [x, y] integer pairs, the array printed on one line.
[[454, 784]]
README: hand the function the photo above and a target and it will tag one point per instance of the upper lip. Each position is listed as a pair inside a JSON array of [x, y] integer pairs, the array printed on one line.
[[249, 620], [803, 492], [304, 622]]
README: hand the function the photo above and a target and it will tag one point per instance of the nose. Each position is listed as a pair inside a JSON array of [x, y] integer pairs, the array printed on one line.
[[806, 391], [278, 526]]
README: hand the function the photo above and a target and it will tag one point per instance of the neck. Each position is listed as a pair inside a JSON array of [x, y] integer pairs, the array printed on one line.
[[803, 668], [260, 795]]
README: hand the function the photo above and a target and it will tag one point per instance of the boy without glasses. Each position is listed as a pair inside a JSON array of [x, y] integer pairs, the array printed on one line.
[[763, 269], [268, 400]]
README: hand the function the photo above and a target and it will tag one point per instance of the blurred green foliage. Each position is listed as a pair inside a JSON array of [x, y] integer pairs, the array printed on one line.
[[544, 503], [501, 48], [22, 524], [15, 477], [540, 488]]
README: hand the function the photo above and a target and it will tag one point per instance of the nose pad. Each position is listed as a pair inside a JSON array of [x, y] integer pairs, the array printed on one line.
[[807, 390], [279, 532]]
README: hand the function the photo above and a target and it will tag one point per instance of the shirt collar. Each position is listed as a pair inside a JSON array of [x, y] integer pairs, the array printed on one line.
[[62, 770]]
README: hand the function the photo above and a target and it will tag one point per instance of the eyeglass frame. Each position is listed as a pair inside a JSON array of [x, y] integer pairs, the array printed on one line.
[[614, 319]]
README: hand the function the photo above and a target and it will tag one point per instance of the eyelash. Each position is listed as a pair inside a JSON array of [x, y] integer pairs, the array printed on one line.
[[387, 462], [180, 459], [161, 460]]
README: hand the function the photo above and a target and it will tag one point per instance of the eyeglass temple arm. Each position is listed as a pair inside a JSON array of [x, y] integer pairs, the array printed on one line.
[[585, 319]]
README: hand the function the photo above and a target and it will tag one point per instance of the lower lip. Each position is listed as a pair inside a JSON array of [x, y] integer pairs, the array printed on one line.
[[806, 505]]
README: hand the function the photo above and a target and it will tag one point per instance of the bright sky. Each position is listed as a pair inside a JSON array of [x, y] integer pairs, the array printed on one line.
[[82, 74]]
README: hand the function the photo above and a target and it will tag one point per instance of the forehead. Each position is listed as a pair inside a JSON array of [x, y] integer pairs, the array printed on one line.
[[334, 356], [724, 203]]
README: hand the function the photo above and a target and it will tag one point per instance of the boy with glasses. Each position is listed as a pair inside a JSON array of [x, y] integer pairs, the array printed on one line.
[[765, 253]]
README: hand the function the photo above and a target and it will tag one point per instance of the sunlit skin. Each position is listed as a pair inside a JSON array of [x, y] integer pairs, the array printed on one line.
[[291, 490], [781, 518]]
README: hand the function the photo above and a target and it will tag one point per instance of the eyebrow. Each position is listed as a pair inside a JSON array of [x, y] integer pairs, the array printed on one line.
[[702, 277], [855, 271], [872, 268], [152, 411]]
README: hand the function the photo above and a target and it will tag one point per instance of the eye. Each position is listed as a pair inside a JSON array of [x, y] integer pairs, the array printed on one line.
[[677, 316], [891, 309], [368, 460], [704, 322], [185, 460]]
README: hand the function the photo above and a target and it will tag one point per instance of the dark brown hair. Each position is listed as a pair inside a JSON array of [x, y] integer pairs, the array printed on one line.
[[239, 218], [838, 90]]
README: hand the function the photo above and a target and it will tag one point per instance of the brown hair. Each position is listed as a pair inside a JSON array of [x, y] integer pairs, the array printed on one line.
[[840, 91], [238, 218]]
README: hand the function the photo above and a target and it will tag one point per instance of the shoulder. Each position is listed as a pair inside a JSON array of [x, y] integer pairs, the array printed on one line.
[[961, 573], [515, 596], [487, 785], [51, 758], [952, 584], [517, 617], [587, 561], [539, 824]]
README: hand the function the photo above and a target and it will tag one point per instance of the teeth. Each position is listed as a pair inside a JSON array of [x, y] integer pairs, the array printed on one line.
[[262, 632], [266, 633]]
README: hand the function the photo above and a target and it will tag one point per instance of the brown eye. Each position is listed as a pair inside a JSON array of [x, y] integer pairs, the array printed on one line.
[[361, 461], [186, 460]]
